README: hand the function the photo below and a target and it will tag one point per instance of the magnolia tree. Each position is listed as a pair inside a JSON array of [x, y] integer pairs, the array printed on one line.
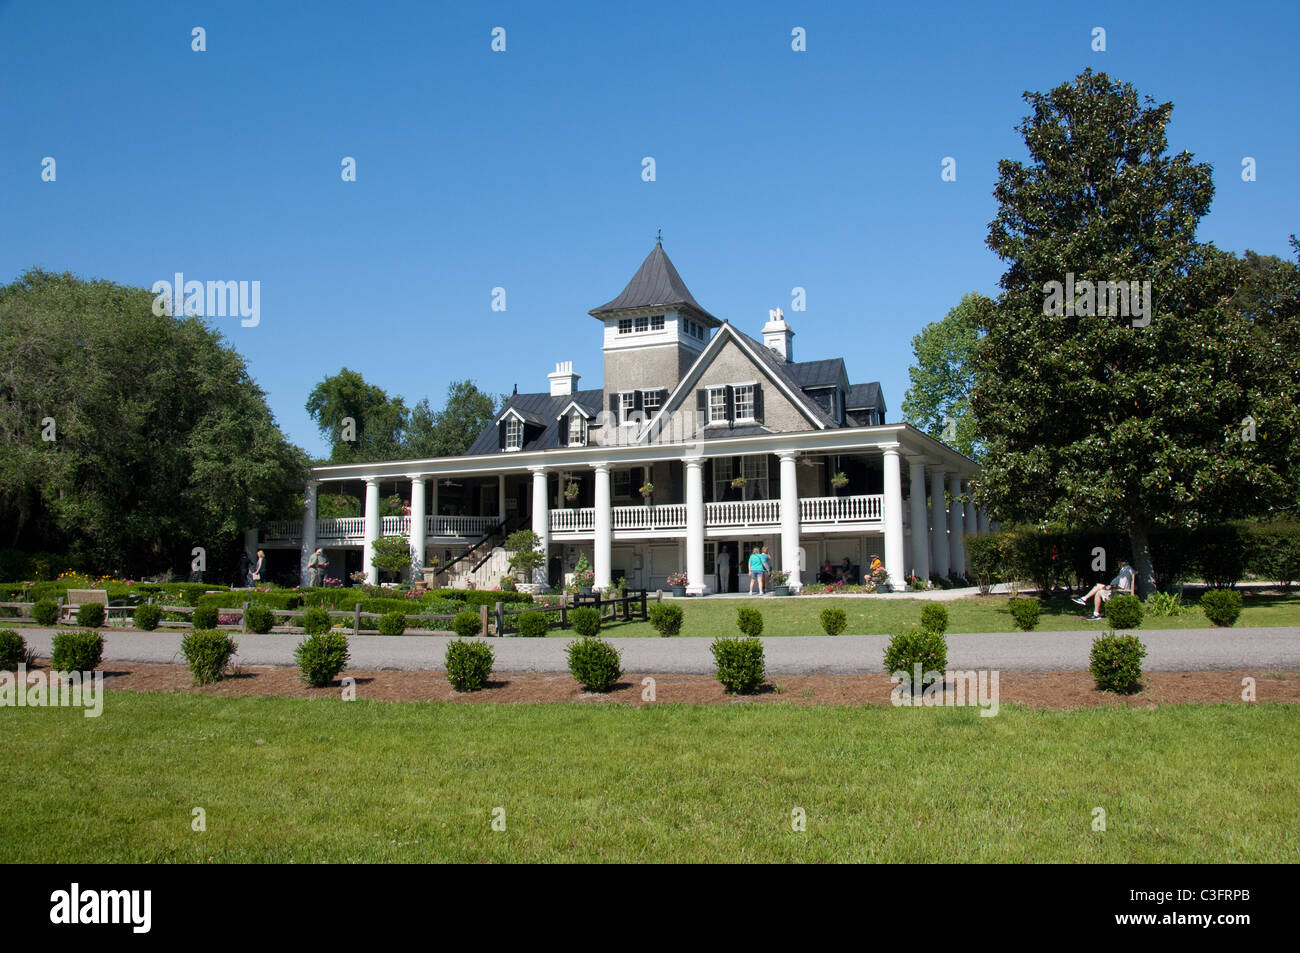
[[1117, 381], [392, 554], [527, 558]]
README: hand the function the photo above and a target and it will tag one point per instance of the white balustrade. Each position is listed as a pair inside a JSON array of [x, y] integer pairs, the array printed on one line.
[[746, 513], [842, 509], [350, 527], [282, 529], [573, 521], [459, 526], [395, 526]]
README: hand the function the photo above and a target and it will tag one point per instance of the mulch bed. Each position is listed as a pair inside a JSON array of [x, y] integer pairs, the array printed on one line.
[[1034, 689]]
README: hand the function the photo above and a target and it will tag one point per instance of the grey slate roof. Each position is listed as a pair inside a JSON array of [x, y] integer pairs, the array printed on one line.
[[542, 410], [864, 397], [780, 369], [826, 373], [656, 284]]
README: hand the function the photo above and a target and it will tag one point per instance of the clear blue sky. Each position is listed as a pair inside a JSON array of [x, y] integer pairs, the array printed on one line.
[[522, 169]]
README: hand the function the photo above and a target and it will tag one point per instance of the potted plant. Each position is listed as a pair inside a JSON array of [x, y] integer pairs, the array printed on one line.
[[779, 579], [584, 577], [839, 481], [677, 582], [738, 483], [647, 490], [571, 491]]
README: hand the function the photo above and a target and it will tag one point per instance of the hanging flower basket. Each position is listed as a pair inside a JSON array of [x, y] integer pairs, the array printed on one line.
[[571, 492], [647, 490], [839, 481], [738, 483]]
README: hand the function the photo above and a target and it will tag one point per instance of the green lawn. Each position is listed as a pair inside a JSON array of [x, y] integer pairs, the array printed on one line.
[[374, 781], [798, 615]]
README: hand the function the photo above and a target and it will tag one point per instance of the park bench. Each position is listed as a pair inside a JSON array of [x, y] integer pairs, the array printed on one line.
[[81, 597]]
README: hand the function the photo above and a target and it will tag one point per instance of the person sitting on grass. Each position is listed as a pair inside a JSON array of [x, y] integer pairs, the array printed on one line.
[[1122, 583]]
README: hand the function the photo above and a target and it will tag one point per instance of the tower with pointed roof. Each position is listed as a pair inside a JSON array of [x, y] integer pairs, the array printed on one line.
[[654, 329]]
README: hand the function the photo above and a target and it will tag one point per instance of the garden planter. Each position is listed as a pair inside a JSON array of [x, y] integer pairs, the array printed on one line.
[[584, 590], [679, 591], [780, 590]]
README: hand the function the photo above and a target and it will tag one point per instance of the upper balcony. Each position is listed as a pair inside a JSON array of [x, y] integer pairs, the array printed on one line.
[[750, 516]]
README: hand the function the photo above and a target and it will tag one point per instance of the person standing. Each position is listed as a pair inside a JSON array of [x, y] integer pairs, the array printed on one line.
[[767, 571], [756, 571], [259, 568], [723, 563], [245, 566], [316, 568]]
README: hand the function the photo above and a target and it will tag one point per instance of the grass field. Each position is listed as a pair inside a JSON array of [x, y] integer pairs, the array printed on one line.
[[306, 781], [799, 616]]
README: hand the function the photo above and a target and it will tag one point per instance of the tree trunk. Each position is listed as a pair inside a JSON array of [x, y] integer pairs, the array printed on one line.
[[1139, 538]]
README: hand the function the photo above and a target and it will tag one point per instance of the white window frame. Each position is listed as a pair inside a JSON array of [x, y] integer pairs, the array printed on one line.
[[642, 323], [755, 470], [514, 433], [577, 429], [713, 421], [656, 322], [735, 401], [624, 325], [624, 477], [626, 408], [645, 403]]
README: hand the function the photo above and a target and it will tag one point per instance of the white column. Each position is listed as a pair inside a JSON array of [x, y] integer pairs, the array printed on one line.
[[972, 522], [983, 519], [501, 496], [957, 550], [433, 505], [920, 525], [893, 515], [418, 484], [541, 520], [790, 519], [372, 529], [308, 532], [695, 526], [939, 565], [603, 526]]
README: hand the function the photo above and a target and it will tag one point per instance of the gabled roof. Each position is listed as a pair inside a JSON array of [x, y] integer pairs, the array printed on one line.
[[656, 284], [542, 411], [766, 361], [826, 373]]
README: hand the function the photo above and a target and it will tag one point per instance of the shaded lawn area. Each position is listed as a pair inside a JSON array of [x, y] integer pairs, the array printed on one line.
[[324, 780], [799, 615]]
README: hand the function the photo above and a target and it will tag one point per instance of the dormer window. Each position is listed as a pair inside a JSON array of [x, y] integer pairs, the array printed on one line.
[[577, 429], [514, 434]]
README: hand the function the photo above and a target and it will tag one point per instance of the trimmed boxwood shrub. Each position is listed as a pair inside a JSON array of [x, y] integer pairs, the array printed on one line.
[[666, 618], [834, 621], [13, 650], [749, 621], [91, 615], [533, 625], [469, 664], [78, 651], [477, 597], [934, 618], [259, 619], [1024, 612], [321, 656], [1116, 662], [207, 652], [913, 647], [1221, 606], [392, 623], [740, 666], [1124, 612], [594, 663], [316, 621], [45, 612], [205, 617], [467, 623], [585, 621], [147, 616]]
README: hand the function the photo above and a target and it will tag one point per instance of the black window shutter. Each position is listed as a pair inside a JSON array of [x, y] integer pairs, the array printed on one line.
[[637, 479], [731, 405], [758, 403], [564, 431], [501, 435], [702, 405], [774, 477], [663, 398], [708, 481], [638, 401], [613, 407]]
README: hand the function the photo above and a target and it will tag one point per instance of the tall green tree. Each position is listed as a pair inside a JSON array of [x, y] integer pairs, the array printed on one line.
[[361, 422], [1087, 418], [450, 431], [938, 400], [130, 438]]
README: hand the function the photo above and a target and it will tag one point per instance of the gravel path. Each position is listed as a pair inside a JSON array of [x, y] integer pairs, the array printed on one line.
[[1168, 650]]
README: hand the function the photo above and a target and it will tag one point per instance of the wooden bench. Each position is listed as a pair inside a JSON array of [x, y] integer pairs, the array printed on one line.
[[81, 597]]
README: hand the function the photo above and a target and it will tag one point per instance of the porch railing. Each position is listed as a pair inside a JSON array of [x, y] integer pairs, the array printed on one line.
[[353, 528], [841, 509], [746, 513]]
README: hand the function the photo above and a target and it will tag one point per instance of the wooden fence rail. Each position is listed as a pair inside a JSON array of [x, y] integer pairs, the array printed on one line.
[[633, 603]]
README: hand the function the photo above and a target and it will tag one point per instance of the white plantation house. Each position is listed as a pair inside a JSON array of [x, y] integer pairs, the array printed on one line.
[[702, 440]]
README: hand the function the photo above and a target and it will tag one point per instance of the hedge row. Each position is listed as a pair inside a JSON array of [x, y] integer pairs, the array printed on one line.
[[1220, 555]]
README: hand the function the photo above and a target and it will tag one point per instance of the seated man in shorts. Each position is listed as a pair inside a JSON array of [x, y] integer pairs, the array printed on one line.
[[1122, 584]]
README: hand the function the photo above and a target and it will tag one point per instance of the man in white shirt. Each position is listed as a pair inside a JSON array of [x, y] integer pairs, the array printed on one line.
[[724, 570], [1122, 584]]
